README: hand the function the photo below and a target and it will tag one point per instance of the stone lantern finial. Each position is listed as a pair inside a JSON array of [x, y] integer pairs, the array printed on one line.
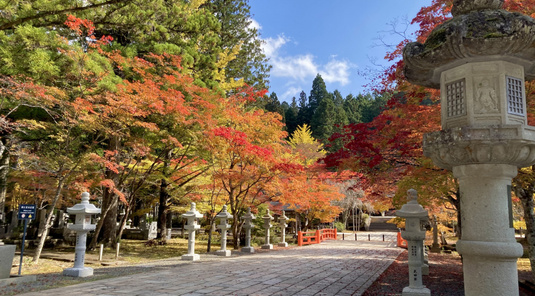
[[461, 7], [412, 195]]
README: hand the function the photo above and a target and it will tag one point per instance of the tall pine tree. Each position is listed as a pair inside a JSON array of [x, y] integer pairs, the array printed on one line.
[[317, 94], [250, 64], [323, 121]]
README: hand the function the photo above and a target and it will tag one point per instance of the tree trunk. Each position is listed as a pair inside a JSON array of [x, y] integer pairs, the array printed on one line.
[[5, 144], [109, 208], [110, 200], [235, 228], [210, 232], [163, 207], [123, 221], [48, 220], [100, 223]]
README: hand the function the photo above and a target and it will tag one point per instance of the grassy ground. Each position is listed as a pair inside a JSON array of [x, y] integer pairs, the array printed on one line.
[[130, 252]]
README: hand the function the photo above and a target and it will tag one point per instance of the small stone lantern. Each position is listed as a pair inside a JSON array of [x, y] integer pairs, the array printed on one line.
[[223, 216], [248, 225], [191, 216], [414, 214], [283, 225], [81, 226], [267, 225]]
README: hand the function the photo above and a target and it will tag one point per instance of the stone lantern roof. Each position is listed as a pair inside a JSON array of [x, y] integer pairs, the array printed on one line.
[[412, 209], [480, 30], [192, 213], [84, 207]]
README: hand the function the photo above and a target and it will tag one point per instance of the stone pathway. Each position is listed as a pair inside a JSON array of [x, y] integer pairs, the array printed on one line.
[[330, 268]]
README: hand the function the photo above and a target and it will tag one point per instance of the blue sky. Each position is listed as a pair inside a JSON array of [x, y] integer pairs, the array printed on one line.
[[337, 38]]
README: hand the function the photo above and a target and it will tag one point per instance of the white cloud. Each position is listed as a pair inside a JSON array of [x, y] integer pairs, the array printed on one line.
[[336, 71], [272, 45], [302, 68], [255, 25], [291, 92]]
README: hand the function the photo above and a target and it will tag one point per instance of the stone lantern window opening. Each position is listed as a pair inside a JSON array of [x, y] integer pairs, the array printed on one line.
[[515, 96], [456, 98]]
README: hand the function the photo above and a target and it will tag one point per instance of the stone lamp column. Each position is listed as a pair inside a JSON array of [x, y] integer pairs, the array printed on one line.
[[191, 216], [283, 225], [82, 225], [480, 59], [267, 225], [413, 233], [248, 225], [223, 217]]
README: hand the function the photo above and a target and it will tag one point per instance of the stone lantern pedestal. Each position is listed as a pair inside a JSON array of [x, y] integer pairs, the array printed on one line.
[[191, 217], [248, 225], [414, 214], [267, 225], [82, 225], [480, 59], [223, 217], [283, 225]]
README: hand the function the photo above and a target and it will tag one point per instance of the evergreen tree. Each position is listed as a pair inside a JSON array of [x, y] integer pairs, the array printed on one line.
[[291, 116], [340, 121], [372, 105], [303, 116], [317, 94], [337, 98], [323, 121], [175, 27], [273, 104], [352, 109], [250, 64]]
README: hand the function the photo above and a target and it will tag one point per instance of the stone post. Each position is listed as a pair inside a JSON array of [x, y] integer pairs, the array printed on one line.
[[480, 68], [435, 247], [267, 225], [283, 225], [248, 225], [413, 233], [223, 217], [192, 215], [81, 226]]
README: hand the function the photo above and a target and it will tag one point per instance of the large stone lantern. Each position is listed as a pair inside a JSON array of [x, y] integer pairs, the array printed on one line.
[[82, 225], [480, 59]]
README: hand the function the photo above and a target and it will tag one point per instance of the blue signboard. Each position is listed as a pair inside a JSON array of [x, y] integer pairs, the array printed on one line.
[[27, 212]]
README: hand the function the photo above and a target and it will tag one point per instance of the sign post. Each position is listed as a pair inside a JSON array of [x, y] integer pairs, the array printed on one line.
[[26, 212]]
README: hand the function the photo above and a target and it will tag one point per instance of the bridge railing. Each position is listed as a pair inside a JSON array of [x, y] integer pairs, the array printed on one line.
[[368, 236], [315, 237], [401, 242]]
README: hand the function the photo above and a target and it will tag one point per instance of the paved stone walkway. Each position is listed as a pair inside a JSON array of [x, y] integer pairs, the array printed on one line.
[[330, 268]]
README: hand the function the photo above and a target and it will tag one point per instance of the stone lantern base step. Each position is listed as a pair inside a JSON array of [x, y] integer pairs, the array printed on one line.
[[425, 269], [225, 253], [408, 291], [247, 250], [78, 272], [7, 252], [193, 257], [268, 246], [283, 244]]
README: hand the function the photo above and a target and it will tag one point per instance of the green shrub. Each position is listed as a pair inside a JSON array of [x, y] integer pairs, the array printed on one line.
[[340, 227]]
